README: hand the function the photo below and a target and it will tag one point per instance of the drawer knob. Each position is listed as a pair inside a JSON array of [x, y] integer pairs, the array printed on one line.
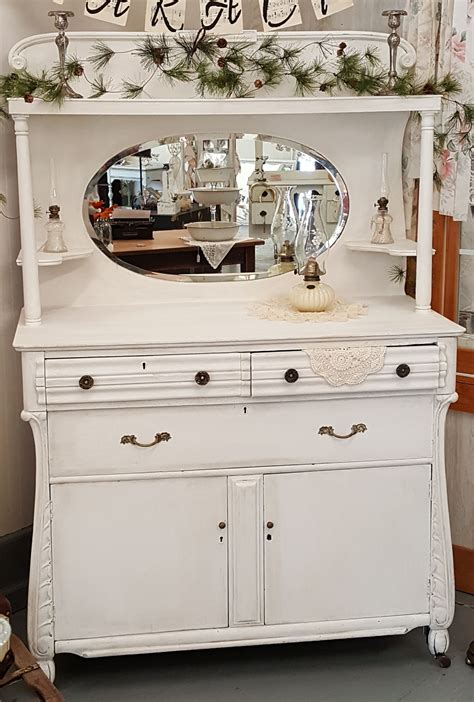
[[270, 525], [355, 429], [291, 375], [202, 378], [222, 525], [86, 382], [132, 439], [403, 370]]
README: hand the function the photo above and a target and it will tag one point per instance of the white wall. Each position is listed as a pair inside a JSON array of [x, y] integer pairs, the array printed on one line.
[[20, 18]]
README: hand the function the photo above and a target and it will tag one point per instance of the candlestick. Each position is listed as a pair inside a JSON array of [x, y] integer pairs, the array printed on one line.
[[61, 22], [393, 41]]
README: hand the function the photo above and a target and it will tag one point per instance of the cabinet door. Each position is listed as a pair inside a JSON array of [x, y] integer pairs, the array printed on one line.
[[347, 544], [137, 557]]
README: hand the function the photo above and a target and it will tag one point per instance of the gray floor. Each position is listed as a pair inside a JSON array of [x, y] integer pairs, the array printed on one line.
[[391, 669]]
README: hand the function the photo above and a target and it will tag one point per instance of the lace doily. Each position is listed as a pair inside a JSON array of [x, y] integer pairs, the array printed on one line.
[[214, 251], [281, 310], [346, 366]]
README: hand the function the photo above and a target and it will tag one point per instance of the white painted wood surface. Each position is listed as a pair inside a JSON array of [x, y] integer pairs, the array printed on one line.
[[361, 527], [226, 436], [326, 561], [149, 557]]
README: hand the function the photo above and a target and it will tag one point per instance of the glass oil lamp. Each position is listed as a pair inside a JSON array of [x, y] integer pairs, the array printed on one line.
[[55, 231], [381, 233]]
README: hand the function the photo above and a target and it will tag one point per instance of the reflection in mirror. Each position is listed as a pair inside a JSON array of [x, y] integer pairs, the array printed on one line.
[[213, 207]]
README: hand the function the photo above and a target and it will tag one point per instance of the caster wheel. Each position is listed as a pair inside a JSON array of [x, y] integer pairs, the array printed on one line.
[[443, 660], [470, 655]]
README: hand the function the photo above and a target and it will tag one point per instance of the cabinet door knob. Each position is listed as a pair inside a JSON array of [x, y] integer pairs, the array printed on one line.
[[291, 375], [202, 378], [270, 525], [222, 525], [86, 382], [403, 370]]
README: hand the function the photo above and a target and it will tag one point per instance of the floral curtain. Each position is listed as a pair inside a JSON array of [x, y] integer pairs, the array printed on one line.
[[442, 33]]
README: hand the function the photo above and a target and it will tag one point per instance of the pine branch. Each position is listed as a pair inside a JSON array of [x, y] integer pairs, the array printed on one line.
[[131, 90], [100, 86], [153, 51], [104, 54]]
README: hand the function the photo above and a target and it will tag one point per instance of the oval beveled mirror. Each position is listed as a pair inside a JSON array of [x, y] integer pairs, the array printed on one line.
[[206, 207]]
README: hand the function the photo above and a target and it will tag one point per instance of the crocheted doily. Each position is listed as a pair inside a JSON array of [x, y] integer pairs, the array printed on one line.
[[346, 366], [214, 251], [280, 309]]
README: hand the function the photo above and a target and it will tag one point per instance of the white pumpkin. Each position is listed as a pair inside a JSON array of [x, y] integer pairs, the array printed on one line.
[[312, 297]]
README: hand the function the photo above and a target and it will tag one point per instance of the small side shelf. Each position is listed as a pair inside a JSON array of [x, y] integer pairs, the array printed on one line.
[[56, 259], [400, 247]]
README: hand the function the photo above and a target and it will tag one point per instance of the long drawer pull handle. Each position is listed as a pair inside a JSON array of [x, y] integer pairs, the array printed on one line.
[[355, 429], [132, 439]]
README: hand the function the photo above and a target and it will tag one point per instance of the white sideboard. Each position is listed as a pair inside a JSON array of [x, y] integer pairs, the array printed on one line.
[[198, 484]]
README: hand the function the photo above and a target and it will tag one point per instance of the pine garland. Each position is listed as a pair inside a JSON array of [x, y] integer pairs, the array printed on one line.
[[243, 69]]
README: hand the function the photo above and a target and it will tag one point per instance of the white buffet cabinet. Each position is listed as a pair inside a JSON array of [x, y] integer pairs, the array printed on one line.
[[186, 497]]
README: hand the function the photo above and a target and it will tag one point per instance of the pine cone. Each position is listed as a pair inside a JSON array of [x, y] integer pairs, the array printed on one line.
[[78, 71], [258, 84], [221, 62], [222, 43], [28, 98]]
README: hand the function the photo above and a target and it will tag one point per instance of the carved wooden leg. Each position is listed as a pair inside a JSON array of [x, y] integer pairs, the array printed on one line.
[[49, 669], [438, 643], [40, 597], [442, 571]]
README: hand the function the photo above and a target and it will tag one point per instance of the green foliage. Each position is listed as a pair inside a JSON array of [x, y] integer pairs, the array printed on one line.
[[102, 57], [235, 69], [397, 274]]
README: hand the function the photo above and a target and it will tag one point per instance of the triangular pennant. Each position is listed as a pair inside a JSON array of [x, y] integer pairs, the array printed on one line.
[[222, 16], [325, 8], [279, 14], [113, 11], [165, 16]]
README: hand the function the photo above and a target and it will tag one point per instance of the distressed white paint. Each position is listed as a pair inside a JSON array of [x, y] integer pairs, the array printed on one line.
[[16, 477], [98, 498]]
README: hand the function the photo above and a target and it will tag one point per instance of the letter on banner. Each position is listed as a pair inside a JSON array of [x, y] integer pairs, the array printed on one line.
[[279, 14], [223, 16], [324, 8], [114, 11], [165, 16]]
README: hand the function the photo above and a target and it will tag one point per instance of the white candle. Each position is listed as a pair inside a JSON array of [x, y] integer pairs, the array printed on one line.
[[384, 191]]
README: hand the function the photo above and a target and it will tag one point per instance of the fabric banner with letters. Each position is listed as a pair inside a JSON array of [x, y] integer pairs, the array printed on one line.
[[165, 16], [223, 16], [325, 8], [113, 11], [279, 14]]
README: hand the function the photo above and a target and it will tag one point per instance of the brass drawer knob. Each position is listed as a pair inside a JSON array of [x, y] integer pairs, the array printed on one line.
[[355, 429], [403, 370], [202, 378], [132, 439], [270, 525], [291, 375], [222, 525], [86, 382]]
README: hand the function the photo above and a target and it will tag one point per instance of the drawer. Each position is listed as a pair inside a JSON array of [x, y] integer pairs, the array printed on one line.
[[225, 436], [273, 373], [145, 378]]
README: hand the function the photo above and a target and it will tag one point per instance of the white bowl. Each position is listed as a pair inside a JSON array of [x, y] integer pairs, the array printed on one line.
[[214, 175], [216, 196], [212, 231]]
